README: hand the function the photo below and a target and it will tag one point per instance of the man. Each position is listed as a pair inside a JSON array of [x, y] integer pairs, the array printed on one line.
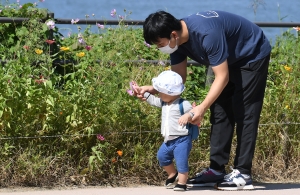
[[239, 53]]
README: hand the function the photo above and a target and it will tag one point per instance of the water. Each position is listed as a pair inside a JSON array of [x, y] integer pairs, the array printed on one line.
[[271, 11]]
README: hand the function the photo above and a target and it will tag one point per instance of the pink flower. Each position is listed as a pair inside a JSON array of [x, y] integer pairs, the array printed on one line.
[[50, 41], [161, 63], [88, 47], [147, 44], [74, 21], [130, 92], [51, 24], [100, 137], [100, 26], [133, 86], [26, 47], [113, 13]]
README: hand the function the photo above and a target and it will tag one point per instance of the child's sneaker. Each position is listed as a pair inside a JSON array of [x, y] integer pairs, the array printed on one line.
[[180, 187], [236, 181], [171, 181], [207, 177]]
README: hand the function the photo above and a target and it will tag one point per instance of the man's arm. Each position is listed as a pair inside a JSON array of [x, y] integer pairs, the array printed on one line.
[[221, 79]]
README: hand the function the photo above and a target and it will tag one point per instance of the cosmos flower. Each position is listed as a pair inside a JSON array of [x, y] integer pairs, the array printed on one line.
[[38, 51], [147, 44], [287, 68], [100, 26], [50, 41], [50, 24], [120, 153], [133, 86], [74, 21], [113, 13], [80, 54], [100, 137], [64, 48], [113, 160], [88, 47]]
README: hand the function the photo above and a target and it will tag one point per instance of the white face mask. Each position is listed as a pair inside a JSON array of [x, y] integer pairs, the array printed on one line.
[[167, 49]]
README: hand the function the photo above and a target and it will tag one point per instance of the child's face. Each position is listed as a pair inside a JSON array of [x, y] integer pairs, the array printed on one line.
[[167, 98]]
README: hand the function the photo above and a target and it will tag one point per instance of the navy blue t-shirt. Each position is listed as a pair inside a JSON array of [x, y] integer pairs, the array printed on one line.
[[215, 36]]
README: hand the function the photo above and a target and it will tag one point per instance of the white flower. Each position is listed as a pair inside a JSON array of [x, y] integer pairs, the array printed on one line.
[[51, 24]]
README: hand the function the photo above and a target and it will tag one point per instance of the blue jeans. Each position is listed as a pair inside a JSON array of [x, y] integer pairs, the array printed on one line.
[[178, 149]]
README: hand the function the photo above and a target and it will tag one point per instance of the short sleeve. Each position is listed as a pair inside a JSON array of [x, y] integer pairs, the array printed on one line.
[[177, 57], [215, 45]]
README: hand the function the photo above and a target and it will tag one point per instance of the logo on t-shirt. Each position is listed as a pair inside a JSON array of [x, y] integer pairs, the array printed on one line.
[[208, 14]]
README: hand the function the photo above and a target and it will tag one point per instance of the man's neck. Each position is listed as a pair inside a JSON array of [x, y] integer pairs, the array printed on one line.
[[184, 34]]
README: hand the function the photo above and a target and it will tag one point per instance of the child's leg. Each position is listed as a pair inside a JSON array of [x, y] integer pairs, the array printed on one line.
[[165, 158], [181, 154], [182, 178], [170, 169]]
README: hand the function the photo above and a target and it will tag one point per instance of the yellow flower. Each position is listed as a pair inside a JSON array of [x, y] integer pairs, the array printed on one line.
[[64, 48], [120, 153], [38, 51], [287, 68], [287, 107], [168, 68], [80, 54]]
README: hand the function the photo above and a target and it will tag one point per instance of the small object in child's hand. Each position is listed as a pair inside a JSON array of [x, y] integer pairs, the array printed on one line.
[[133, 87]]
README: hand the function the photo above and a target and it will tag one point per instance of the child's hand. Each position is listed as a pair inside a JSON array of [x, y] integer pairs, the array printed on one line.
[[184, 119]]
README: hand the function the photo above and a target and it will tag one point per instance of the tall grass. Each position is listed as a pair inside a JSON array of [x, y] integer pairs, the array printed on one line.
[[66, 118]]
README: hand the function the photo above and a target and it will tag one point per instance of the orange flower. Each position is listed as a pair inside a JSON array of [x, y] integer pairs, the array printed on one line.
[[120, 153], [113, 160]]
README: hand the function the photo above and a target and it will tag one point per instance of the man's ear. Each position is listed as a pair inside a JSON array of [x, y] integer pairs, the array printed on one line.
[[174, 34]]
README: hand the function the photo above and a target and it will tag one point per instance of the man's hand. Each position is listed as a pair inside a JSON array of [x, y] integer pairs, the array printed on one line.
[[199, 112]]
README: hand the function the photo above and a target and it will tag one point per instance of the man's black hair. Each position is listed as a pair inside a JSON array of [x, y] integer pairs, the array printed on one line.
[[160, 25]]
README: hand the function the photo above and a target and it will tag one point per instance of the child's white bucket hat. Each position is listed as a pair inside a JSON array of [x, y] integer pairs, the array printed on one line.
[[168, 82]]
